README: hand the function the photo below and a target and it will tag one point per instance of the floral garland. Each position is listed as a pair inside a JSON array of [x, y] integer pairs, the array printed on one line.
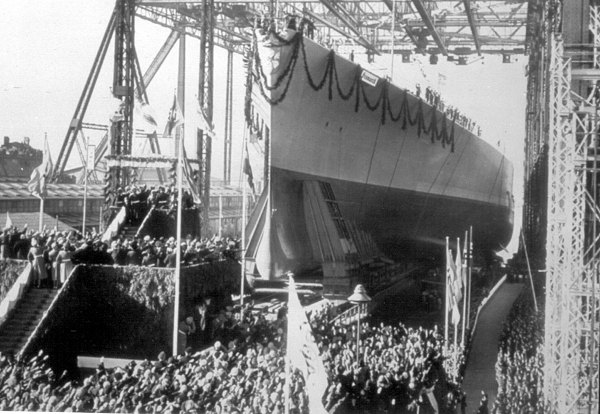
[[356, 89], [139, 162]]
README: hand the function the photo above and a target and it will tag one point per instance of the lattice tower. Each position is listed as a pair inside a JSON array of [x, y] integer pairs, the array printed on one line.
[[572, 298]]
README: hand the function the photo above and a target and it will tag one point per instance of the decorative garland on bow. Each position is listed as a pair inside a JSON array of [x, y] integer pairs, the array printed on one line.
[[356, 89]]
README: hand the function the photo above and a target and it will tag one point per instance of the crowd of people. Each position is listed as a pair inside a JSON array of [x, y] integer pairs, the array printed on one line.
[[434, 98], [519, 368], [138, 200], [52, 252], [9, 272], [244, 372]]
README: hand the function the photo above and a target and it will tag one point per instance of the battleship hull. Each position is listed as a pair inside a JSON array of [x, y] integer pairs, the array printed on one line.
[[379, 160]]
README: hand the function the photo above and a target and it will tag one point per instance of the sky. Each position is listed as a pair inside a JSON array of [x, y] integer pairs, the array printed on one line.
[[48, 48]]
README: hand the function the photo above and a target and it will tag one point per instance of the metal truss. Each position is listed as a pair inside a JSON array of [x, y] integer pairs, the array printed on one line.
[[205, 101], [74, 129], [464, 27], [573, 247]]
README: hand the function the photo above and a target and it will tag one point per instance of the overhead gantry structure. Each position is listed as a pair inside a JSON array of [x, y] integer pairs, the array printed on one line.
[[453, 28]]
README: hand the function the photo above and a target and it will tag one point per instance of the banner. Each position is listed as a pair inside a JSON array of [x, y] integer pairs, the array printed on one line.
[[175, 118], [205, 125], [41, 174], [459, 273], [188, 175], [451, 296], [303, 353], [248, 170]]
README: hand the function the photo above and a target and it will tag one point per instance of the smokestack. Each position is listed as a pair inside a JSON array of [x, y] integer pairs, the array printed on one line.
[[6, 140]]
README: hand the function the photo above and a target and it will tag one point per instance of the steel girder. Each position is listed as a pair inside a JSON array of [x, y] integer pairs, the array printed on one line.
[[430, 26], [473, 25]]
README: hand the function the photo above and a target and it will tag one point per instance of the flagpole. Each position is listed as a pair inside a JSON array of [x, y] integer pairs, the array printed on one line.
[[288, 380], [463, 274], [469, 267], [41, 221], [288, 373], [178, 251], [393, 37], [220, 215], [85, 183], [456, 325], [243, 270], [446, 297]]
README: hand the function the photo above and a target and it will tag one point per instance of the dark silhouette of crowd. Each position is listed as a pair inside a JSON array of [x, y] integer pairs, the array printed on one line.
[[53, 253], [519, 368], [138, 200], [244, 372]]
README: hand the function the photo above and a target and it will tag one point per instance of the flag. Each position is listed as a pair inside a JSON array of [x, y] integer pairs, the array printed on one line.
[[248, 169], [450, 276], [9, 222], [146, 111], [459, 272], [175, 118], [41, 174], [188, 174], [303, 353], [205, 125]]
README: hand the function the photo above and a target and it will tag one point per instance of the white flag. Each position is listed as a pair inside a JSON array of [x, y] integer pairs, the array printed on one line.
[[9, 222], [303, 352], [459, 271], [146, 112], [205, 126], [450, 277], [41, 174], [175, 118]]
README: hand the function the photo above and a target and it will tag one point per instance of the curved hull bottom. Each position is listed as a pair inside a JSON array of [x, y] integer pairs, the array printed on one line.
[[403, 225]]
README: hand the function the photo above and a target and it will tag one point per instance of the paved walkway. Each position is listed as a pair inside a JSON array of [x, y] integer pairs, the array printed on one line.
[[481, 367]]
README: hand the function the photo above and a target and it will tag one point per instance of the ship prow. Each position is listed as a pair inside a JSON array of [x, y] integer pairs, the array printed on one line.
[[357, 168]]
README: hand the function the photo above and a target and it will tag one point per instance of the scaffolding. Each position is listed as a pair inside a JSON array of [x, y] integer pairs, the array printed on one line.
[[573, 215]]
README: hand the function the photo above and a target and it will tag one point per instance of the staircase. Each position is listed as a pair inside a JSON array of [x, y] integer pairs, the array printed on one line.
[[24, 318]]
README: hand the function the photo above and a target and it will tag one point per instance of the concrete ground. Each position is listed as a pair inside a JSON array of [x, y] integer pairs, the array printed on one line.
[[481, 366]]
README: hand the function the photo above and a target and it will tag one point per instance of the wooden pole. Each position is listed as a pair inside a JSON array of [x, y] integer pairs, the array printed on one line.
[[469, 269], [463, 275], [446, 298], [178, 251], [41, 220], [85, 184], [220, 215]]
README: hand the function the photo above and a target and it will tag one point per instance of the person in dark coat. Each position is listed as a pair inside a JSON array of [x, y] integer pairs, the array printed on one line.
[[21, 247]]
